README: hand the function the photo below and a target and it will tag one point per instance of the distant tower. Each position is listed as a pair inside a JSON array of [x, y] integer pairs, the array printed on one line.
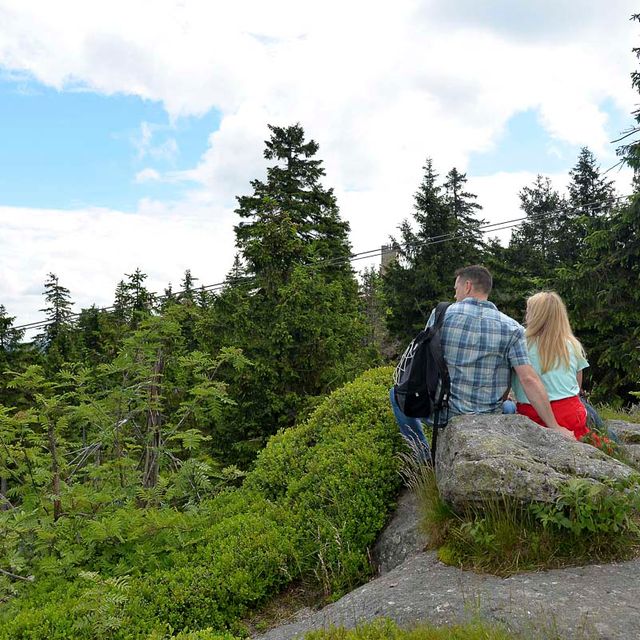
[[387, 255]]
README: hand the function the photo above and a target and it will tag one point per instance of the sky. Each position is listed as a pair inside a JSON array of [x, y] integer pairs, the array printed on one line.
[[128, 128]]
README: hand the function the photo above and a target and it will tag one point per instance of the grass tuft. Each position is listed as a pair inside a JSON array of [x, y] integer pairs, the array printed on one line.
[[588, 523], [387, 630]]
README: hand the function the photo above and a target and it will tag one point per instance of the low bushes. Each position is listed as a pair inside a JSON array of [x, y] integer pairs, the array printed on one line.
[[315, 501]]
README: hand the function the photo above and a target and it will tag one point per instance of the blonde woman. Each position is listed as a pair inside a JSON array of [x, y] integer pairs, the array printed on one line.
[[558, 358]]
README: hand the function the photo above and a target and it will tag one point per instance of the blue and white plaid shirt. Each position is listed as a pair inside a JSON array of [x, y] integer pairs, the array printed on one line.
[[480, 345]]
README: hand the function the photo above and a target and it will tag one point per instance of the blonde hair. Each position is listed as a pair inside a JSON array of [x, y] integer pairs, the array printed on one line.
[[548, 326]]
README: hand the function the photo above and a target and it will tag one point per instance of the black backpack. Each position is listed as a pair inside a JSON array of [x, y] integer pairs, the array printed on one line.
[[421, 379]]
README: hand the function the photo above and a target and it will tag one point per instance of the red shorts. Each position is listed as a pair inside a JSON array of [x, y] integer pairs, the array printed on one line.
[[569, 413]]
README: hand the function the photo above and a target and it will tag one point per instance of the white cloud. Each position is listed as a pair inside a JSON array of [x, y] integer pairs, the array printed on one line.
[[379, 85], [145, 148], [147, 175], [91, 250]]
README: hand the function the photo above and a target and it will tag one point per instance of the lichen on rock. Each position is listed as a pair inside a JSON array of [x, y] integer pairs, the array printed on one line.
[[488, 457]]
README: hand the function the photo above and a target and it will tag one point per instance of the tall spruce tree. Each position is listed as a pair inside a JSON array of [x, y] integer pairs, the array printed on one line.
[[12, 354], [10, 337], [446, 236], [133, 302], [56, 340], [590, 193], [187, 289], [291, 218], [464, 211], [591, 198], [534, 242], [291, 300]]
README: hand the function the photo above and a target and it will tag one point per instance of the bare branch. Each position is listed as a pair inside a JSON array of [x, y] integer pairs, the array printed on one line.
[[16, 577]]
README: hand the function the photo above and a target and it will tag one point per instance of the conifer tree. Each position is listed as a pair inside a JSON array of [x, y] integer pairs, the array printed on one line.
[[591, 198], [534, 243], [291, 218], [375, 309], [187, 290], [464, 211], [602, 293], [12, 354], [56, 338], [447, 236], [133, 301], [291, 299], [140, 299], [10, 338], [590, 193]]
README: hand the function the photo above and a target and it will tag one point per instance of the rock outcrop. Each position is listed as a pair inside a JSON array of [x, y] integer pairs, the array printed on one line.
[[484, 457], [401, 538], [598, 602], [490, 456], [629, 436]]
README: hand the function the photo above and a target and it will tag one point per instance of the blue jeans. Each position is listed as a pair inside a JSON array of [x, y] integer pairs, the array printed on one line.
[[411, 430], [508, 406]]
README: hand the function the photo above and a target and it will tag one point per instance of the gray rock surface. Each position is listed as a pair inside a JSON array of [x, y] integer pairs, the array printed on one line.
[[597, 602], [482, 457], [401, 538], [629, 435], [627, 432]]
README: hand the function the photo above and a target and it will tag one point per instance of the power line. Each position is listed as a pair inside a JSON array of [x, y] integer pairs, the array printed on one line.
[[354, 257]]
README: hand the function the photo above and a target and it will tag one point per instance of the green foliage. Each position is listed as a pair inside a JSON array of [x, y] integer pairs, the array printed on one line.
[[291, 218], [291, 301], [56, 338], [424, 274], [315, 501], [603, 294], [374, 306], [598, 512]]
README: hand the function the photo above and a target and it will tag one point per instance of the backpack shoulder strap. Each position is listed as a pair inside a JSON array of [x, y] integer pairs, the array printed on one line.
[[439, 315]]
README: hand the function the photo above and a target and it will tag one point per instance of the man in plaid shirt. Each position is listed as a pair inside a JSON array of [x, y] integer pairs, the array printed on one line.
[[481, 346]]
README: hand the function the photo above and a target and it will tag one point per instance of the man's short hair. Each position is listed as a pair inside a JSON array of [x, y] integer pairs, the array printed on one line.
[[478, 275]]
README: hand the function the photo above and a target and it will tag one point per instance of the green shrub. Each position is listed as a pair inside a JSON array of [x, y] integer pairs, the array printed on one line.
[[316, 499]]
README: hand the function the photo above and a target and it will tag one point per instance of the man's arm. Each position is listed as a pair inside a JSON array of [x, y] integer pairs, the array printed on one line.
[[537, 396]]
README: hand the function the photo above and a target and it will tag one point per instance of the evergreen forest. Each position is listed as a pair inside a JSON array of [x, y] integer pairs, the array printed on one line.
[[170, 463]]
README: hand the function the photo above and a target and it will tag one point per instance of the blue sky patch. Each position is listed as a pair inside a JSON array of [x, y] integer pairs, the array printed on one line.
[[526, 146], [74, 149]]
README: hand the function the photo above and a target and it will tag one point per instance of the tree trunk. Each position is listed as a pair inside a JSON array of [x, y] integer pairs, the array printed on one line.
[[154, 427], [55, 473], [5, 505]]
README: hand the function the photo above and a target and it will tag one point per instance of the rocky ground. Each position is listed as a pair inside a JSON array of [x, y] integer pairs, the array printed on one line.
[[579, 603], [596, 601], [587, 602]]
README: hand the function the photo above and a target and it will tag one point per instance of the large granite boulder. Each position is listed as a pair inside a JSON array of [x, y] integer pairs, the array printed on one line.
[[485, 457]]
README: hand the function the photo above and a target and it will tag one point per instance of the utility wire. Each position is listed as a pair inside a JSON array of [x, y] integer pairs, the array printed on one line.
[[354, 257]]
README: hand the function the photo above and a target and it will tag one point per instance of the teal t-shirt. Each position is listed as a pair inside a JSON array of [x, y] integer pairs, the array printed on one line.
[[559, 382]]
